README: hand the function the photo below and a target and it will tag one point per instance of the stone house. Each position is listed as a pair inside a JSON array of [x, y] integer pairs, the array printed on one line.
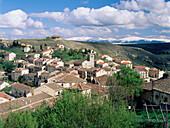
[[95, 72], [101, 80], [68, 80], [29, 77], [52, 67], [69, 64], [110, 70], [4, 84], [155, 73], [9, 56], [21, 90], [157, 92], [82, 73], [52, 89], [83, 88], [32, 55], [31, 60], [54, 75], [18, 72], [39, 68]]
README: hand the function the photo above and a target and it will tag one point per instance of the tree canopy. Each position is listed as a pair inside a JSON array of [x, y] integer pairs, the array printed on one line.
[[124, 85], [73, 110]]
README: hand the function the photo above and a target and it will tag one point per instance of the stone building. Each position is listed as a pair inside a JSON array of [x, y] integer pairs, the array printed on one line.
[[21, 90]]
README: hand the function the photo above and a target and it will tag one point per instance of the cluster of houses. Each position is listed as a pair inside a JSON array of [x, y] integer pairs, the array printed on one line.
[[51, 76]]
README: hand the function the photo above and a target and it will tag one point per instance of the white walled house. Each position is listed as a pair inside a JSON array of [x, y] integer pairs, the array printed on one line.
[[9, 56], [142, 72], [18, 72], [96, 61], [127, 64], [102, 65], [47, 52], [3, 84], [27, 49]]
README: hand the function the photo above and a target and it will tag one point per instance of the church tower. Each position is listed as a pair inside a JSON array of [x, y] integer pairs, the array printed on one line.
[[91, 59]]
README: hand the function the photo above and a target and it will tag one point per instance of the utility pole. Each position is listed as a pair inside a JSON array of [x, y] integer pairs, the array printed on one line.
[[166, 123]]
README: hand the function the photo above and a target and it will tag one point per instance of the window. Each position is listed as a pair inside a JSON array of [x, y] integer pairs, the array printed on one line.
[[165, 99], [157, 97]]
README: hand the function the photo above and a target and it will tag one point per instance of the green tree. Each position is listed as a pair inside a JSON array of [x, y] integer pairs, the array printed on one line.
[[74, 110], [124, 85], [41, 47], [8, 66], [20, 79], [47, 38]]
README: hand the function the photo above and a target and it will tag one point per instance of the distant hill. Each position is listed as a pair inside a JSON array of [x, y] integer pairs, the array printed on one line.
[[139, 54]]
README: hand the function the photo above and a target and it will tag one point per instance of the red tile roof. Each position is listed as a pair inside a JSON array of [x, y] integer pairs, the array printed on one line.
[[139, 66], [126, 63], [7, 53], [4, 96], [46, 51]]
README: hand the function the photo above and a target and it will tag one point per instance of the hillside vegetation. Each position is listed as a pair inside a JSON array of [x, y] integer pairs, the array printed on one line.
[[138, 55]]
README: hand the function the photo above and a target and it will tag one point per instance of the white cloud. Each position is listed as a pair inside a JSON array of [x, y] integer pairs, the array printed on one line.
[[80, 38], [136, 33], [18, 19], [13, 19], [34, 24], [82, 31], [110, 16], [17, 32], [2, 33], [165, 31]]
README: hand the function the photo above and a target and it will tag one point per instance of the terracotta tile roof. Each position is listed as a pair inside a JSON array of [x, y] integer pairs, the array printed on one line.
[[101, 79], [125, 63], [54, 86], [153, 69], [80, 86], [118, 67], [160, 85], [20, 69], [7, 53], [5, 96], [68, 78], [30, 54], [21, 102], [140, 67], [21, 87], [100, 63], [49, 50]]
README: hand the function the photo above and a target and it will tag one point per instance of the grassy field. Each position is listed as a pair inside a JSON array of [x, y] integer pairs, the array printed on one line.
[[139, 54]]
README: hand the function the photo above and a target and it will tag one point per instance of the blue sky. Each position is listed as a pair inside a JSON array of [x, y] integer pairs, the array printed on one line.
[[85, 19]]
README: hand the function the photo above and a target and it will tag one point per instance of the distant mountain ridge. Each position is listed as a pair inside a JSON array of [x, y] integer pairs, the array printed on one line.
[[126, 40]]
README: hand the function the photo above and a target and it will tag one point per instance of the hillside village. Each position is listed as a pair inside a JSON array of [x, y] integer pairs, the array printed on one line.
[[40, 75]]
